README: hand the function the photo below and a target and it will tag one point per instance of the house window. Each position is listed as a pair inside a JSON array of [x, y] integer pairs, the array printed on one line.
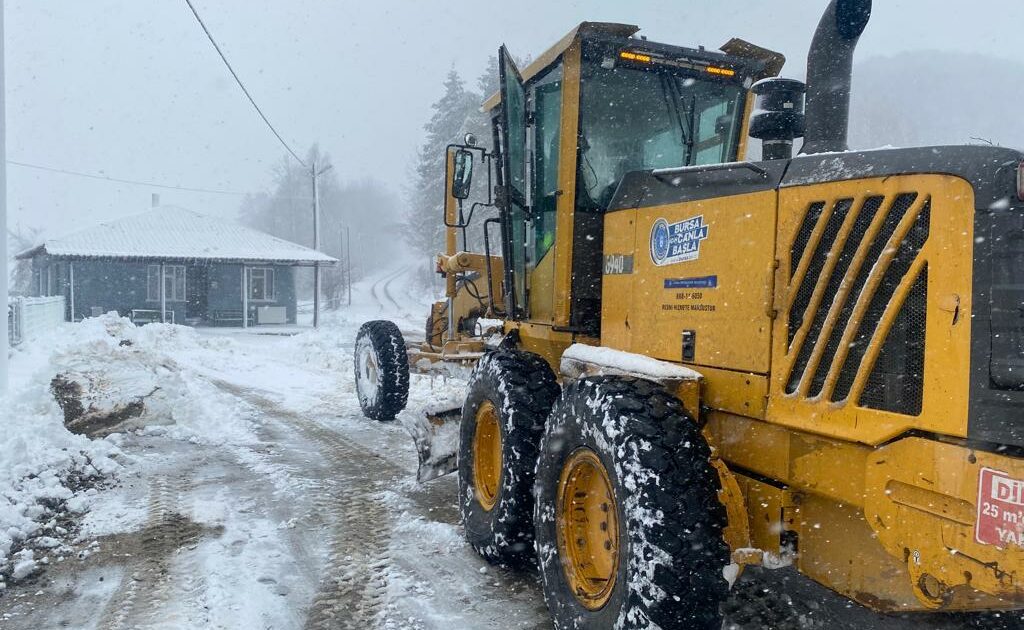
[[261, 284], [174, 283]]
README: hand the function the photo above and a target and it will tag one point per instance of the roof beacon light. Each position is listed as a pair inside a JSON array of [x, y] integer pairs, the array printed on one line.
[[725, 72], [632, 56]]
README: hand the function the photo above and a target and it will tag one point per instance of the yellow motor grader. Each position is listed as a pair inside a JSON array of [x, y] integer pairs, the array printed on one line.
[[703, 362]]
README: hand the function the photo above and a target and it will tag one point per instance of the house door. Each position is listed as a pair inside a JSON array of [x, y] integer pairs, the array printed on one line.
[[197, 288]]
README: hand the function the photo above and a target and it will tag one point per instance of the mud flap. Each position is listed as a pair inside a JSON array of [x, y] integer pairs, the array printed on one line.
[[437, 443]]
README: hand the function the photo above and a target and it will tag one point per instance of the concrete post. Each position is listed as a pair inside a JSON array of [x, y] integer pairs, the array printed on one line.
[[163, 294], [71, 288], [245, 299]]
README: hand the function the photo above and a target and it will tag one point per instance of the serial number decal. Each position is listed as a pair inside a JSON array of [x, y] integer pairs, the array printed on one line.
[[1000, 519], [677, 242], [691, 295], [618, 264]]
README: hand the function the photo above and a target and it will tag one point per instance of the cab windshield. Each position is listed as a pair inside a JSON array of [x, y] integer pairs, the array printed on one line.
[[636, 119]]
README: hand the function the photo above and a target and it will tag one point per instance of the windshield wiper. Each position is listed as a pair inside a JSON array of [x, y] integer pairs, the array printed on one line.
[[691, 123], [672, 99]]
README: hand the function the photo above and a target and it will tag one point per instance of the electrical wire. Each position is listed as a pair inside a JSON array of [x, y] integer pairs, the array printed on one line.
[[51, 169], [242, 85], [119, 180]]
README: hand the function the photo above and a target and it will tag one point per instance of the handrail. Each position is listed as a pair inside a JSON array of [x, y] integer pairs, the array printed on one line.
[[661, 174]]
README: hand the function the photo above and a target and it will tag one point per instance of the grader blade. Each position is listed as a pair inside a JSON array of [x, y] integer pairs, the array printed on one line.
[[437, 443]]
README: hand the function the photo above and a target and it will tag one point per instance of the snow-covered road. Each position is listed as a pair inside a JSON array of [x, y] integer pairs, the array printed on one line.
[[263, 499], [280, 506]]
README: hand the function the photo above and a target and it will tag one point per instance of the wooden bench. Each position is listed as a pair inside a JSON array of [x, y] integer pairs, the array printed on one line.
[[227, 316], [140, 316]]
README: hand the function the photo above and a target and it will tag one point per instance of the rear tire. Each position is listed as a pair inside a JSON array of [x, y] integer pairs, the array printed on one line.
[[510, 395], [382, 370], [644, 548]]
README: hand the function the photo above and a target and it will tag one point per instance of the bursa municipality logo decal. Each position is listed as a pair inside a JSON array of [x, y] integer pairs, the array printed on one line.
[[677, 242]]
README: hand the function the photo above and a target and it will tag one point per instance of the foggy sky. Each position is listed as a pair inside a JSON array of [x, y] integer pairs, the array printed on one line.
[[134, 90]]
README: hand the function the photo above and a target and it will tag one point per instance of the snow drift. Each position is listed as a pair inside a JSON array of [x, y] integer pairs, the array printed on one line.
[[115, 377]]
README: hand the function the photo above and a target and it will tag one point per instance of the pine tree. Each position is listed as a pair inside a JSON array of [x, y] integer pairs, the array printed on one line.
[[457, 113], [447, 125]]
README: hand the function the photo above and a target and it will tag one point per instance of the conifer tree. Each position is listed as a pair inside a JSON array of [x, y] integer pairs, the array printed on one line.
[[424, 224]]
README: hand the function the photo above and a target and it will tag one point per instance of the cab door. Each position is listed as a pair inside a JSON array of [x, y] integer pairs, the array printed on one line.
[[515, 208], [545, 143]]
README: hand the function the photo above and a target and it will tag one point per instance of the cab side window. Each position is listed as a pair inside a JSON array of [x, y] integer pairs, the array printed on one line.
[[547, 116]]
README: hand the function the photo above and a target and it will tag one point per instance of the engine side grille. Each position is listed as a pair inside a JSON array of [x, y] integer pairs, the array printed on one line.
[[818, 260], [896, 382], [865, 215], [803, 237], [855, 273], [906, 253]]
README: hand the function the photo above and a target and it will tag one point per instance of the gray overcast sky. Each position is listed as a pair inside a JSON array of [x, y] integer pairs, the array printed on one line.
[[134, 90]]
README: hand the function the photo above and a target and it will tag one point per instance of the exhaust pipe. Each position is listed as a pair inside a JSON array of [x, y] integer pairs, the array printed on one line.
[[829, 74]]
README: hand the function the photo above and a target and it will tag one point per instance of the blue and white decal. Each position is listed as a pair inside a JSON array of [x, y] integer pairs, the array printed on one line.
[[704, 282], [677, 242]]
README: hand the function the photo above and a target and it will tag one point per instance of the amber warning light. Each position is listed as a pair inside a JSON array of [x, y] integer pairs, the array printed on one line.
[[724, 72], [632, 56]]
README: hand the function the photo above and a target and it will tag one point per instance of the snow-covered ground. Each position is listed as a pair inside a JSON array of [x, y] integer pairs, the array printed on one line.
[[253, 494]]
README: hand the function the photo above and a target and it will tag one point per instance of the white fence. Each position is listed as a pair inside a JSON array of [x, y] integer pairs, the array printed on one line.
[[28, 317]]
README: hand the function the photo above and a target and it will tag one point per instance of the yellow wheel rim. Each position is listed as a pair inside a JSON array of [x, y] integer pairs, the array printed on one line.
[[587, 528], [487, 456]]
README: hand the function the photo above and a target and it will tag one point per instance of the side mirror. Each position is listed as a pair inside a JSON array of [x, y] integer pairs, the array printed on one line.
[[462, 176]]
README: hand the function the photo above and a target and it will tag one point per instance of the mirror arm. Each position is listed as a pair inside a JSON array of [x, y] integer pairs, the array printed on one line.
[[465, 221]]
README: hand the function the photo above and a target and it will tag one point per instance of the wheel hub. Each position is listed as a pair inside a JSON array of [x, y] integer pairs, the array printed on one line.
[[487, 456], [587, 529], [367, 379]]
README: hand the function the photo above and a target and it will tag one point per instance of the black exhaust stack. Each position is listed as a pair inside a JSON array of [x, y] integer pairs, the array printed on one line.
[[829, 74]]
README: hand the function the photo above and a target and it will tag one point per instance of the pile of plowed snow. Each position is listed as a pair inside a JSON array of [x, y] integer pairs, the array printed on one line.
[[48, 474]]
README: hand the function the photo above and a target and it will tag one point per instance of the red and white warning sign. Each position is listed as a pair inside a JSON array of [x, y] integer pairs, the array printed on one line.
[[1000, 509]]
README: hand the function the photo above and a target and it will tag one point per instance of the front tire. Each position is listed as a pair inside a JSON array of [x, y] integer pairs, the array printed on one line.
[[629, 525], [382, 370], [510, 395]]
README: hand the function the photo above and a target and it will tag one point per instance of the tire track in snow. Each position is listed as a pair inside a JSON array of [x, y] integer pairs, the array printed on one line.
[[387, 292], [380, 293], [377, 290], [353, 588], [147, 577]]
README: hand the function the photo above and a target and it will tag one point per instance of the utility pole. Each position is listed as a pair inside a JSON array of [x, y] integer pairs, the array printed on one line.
[[316, 239], [316, 246], [4, 350], [348, 261]]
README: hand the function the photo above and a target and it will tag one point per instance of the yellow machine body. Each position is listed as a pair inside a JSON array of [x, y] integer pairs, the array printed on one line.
[[880, 505]]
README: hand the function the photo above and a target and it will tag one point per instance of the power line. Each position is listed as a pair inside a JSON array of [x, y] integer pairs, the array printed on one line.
[[51, 169], [242, 85]]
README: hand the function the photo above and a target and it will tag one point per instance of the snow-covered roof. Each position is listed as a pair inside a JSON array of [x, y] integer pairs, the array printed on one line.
[[170, 232]]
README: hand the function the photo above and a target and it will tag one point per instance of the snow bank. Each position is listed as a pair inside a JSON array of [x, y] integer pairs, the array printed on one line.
[[329, 348], [139, 366], [47, 472]]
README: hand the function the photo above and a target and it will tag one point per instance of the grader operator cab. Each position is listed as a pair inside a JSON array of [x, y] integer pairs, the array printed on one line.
[[702, 362]]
